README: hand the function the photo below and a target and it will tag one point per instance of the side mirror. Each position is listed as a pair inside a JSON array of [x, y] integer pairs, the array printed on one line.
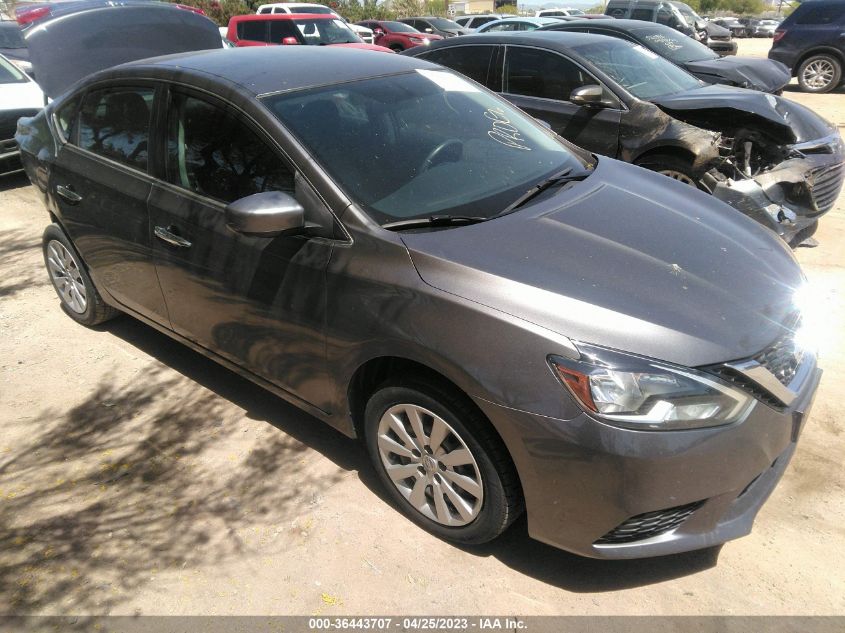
[[378, 32], [588, 96], [266, 214], [429, 31], [289, 41]]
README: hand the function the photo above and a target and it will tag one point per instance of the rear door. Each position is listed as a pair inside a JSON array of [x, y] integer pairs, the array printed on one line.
[[540, 81], [101, 183], [259, 302]]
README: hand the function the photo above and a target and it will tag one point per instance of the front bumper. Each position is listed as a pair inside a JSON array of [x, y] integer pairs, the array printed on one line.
[[584, 480], [790, 197], [722, 47]]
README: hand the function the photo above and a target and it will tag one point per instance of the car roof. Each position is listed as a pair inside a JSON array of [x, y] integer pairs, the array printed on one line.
[[615, 24], [556, 40], [253, 17], [265, 69]]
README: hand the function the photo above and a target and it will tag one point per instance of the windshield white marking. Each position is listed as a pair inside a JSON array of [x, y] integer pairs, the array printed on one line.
[[504, 131]]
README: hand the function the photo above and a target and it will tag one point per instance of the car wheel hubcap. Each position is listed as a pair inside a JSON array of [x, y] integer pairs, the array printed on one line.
[[66, 277], [430, 465], [818, 74], [677, 175]]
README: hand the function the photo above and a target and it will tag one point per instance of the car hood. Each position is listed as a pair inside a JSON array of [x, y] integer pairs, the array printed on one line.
[[67, 48], [627, 259], [714, 30], [798, 124], [766, 75]]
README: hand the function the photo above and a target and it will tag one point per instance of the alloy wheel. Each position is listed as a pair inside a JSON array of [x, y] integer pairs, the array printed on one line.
[[679, 176], [66, 277], [430, 465], [819, 73]]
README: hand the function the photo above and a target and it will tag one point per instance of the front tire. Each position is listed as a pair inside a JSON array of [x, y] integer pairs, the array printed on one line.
[[441, 462], [819, 73], [674, 167], [77, 293]]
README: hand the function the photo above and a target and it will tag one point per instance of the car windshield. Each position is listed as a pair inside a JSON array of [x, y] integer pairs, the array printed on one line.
[[10, 37], [423, 143], [317, 32], [399, 27], [9, 74], [674, 45], [444, 25], [641, 72]]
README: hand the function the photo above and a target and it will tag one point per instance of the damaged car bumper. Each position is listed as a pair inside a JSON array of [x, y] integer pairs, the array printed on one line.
[[790, 197]]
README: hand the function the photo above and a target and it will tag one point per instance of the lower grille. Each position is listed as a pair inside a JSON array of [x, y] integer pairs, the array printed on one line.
[[827, 183], [650, 524]]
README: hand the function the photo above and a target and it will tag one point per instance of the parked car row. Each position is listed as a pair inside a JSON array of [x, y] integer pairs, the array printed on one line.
[[509, 321]]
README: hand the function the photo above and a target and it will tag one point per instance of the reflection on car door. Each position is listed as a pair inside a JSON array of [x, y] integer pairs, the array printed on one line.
[[259, 302], [101, 185], [540, 81]]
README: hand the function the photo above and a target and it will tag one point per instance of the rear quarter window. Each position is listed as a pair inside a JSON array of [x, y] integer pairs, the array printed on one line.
[[826, 14]]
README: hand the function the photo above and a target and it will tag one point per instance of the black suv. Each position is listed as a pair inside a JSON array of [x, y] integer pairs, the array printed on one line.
[[810, 41]]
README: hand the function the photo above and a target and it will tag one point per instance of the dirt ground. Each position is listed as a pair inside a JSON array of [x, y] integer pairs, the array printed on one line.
[[138, 477]]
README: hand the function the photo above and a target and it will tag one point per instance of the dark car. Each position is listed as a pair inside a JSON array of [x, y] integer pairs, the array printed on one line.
[[810, 41], [436, 26], [398, 36], [13, 46], [772, 159], [715, 37], [737, 28], [747, 72], [416, 262]]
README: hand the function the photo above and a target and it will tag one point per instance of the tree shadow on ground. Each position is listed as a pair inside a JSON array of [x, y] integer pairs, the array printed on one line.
[[17, 248], [103, 496]]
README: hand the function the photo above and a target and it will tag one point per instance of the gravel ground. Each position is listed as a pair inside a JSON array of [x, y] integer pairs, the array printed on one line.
[[138, 477]]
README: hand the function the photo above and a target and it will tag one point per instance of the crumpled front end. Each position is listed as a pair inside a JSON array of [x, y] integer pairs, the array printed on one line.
[[787, 196]]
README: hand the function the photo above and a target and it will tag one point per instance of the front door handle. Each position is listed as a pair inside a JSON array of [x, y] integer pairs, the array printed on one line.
[[67, 192], [166, 235]]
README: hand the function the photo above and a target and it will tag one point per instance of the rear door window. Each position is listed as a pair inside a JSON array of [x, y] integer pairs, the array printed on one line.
[[115, 123], [472, 61], [253, 30], [642, 14]]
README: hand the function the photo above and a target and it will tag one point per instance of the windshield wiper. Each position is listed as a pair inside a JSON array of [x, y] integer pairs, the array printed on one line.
[[562, 177], [433, 220]]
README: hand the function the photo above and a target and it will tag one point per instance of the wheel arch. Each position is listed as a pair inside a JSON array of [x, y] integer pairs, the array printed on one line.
[[376, 371], [822, 50]]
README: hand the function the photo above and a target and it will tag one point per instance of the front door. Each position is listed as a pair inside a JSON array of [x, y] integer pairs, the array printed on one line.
[[540, 81], [259, 302], [101, 185]]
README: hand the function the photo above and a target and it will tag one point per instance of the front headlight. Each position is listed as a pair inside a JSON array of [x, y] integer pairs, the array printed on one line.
[[640, 393]]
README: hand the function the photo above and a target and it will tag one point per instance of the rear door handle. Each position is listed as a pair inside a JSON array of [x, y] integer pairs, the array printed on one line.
[[67, 192], [166, 235]]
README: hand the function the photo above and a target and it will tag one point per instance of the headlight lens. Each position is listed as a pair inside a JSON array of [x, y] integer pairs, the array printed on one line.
[[640, 393]]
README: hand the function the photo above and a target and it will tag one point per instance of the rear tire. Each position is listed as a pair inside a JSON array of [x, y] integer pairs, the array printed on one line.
[[78, 295], [673, 167], [446, 448], [819, 73]]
